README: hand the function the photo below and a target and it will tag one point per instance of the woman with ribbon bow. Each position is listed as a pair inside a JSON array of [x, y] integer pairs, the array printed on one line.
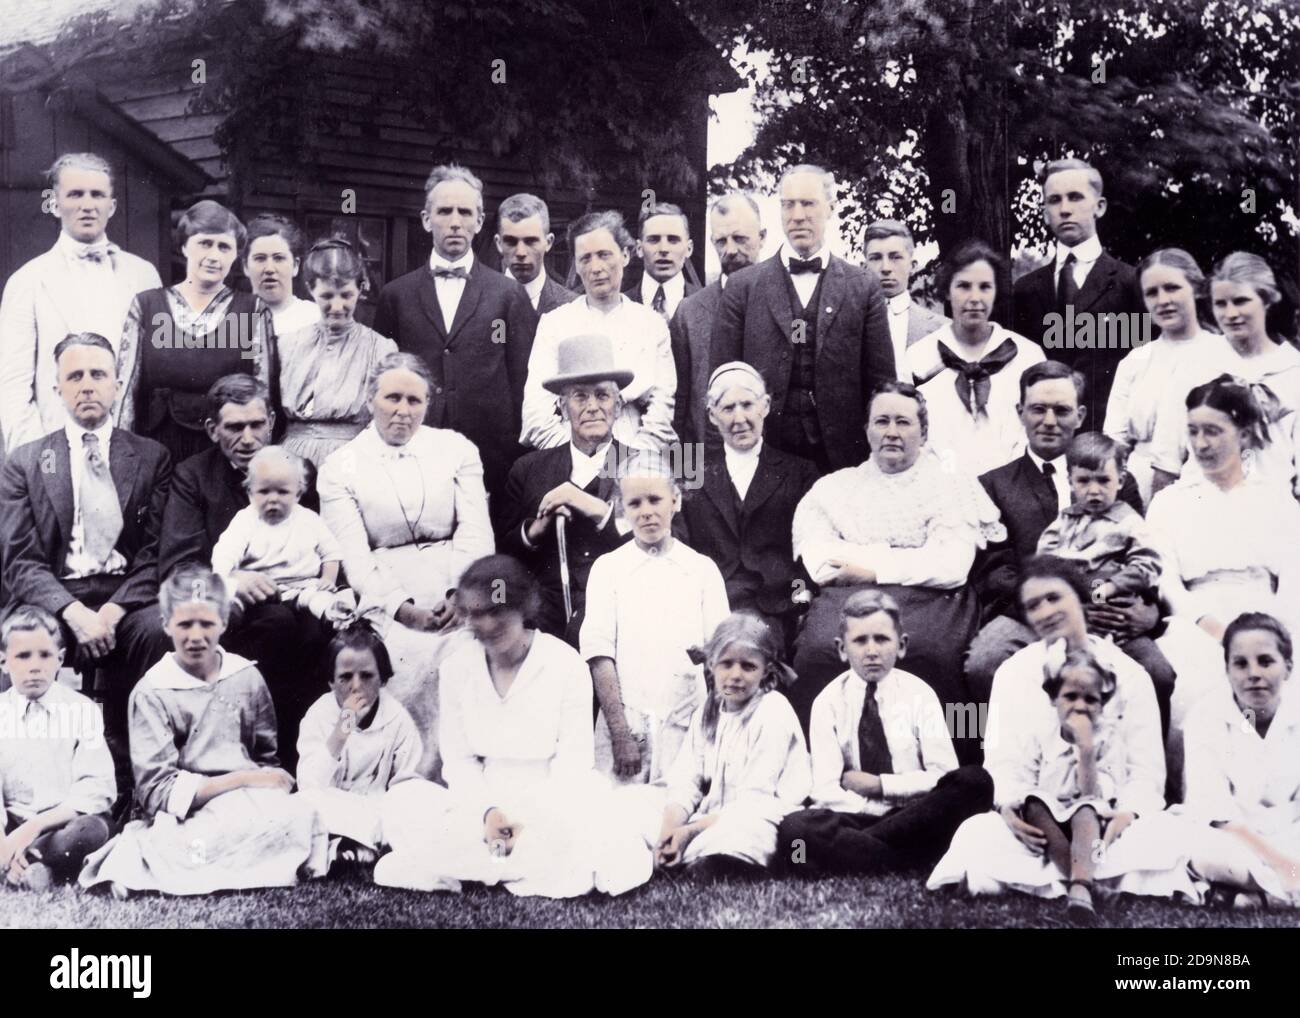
[[969, 371], [1242, 290]]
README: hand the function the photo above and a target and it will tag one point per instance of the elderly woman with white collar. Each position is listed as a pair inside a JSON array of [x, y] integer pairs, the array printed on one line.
[[741, 516]]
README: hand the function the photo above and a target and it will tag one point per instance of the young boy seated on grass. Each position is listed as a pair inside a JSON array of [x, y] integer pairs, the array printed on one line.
[[56, 773], [887, 791]]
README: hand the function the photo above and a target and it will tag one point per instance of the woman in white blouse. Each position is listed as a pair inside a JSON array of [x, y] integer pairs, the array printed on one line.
[[1153, 379], [969, 371], [1225, 533], [1242, 289], [523, 806], [901, 521], [271, 262], [1243, 769], [407, 505]]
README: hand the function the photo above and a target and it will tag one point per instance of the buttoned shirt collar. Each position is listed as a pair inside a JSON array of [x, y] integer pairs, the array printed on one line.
[[465, 261], [75, 431], [674, 290], [1085, 253], [900, 304], [787, 252], [1060, 477], [534, 288]]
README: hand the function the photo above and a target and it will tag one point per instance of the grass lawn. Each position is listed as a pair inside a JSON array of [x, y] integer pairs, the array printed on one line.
[[899, 901]]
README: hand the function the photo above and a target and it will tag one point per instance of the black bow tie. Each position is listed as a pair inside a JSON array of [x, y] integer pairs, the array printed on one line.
[[456, 273], [798, 265]]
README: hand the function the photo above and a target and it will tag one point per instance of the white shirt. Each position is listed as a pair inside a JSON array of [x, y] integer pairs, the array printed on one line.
[[373, 759], [899, 306], [294, 314], [645, 610], [53, 753], [1060, 476], [450, 291], [973, 444], [920, 749], [587, 468], [289, 553], [1020, 712], [93, 298], [79, 564], [741, 466], [1085, 257], [805, 282], [641, 344], [674, 291], [534, 288]]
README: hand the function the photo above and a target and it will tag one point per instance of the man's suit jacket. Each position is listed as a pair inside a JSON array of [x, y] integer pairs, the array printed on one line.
[[206, 493], [1027, 502], [36, 516], [479, 367], [532, 476], [34, 317], [553, 296], [921, 321], [1111, 287], [854, 353], [690, 329], [753, 543]]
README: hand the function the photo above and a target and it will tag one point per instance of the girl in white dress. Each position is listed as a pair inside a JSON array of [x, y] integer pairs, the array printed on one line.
[[1243, 769], [523, 807], [650, 602], [744, 764], [1153, 379], [354, 744], [219, 813]]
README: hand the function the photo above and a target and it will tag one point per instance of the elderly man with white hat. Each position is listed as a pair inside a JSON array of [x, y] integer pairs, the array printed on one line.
[[575, 482], [742, 514]]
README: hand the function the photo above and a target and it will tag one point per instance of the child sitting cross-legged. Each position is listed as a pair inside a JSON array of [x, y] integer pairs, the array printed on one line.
[[56, 773]]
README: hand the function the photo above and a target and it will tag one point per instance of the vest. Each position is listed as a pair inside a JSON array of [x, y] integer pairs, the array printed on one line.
[[799, 425]]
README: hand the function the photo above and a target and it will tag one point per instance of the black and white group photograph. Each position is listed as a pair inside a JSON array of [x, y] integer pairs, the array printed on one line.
[[622, 464]]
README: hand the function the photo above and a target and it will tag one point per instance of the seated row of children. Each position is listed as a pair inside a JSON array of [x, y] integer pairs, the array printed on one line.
[[882, 779]]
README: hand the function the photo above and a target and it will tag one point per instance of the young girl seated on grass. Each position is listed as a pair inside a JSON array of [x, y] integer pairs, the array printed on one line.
[[275, 535], [218, 811], [648, 602], [743, 765], [355, 742]]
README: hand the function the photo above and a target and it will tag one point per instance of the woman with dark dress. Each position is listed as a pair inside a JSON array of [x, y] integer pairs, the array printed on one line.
[[180, 339]]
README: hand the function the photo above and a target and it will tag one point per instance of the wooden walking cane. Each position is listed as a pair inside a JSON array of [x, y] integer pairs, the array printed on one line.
[[562, 545]]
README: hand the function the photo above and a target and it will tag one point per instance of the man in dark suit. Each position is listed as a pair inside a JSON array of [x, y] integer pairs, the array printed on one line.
[[1082, 279], [523, 238], [741, 517], [473, 327], [1029, 492], [575, 481], [737, 234], [80, 513], [890, 253], [207, 491], [815, 328], [664, 246]]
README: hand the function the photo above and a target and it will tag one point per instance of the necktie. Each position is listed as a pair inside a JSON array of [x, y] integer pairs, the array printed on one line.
[[798, 265], [660, 303], [456, 273], [973, 377], [101, 513], [873, 749], [93, 254], [1067, 290]]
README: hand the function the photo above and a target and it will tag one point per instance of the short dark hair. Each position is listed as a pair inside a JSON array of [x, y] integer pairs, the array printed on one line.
[[883, 229], [1053, 567], [593, 221], [1261, 621], [356, 637], [1232, 396], [83, 339], [238, 389], [506, 582], [661, 208], [903, 389], [268, 224], [968, 253], [208, 216], [1046, 370], [1091, 450], [1054, 678], [519, 207], [863, 603]]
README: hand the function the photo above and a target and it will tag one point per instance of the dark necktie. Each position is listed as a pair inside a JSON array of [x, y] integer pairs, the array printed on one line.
[[1067, 290], [1049, 472], [798, 265], [973, 377], [873, 748], [456, 273], [660, 302]]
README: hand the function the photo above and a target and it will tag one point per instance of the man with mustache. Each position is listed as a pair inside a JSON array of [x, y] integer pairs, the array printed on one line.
[[1081, 275], [737, 234], [664, 246], [84, 283], [1029, 492], [813, 326], [523, 238], [80, 515]]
